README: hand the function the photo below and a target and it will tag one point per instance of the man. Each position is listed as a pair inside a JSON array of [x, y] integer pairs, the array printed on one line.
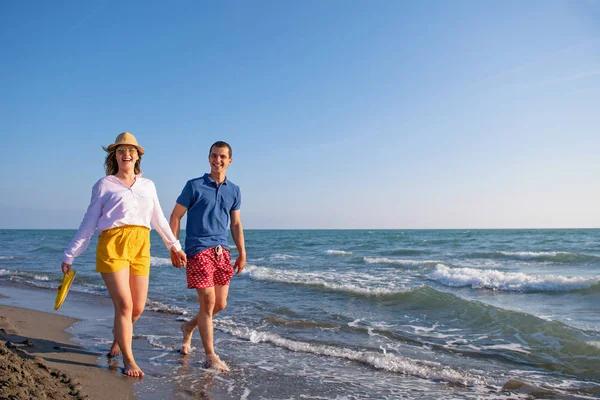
[[212, 203]]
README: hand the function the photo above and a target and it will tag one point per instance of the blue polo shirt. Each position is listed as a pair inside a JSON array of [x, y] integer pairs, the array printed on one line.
[[208, 212]]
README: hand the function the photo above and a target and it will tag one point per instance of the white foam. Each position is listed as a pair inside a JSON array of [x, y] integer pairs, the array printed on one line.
[[508, 281], [418, 329], [160, 262], [382, 325], [354, 282], [389, 362], [158, 356], [24, 275], [245, 394], [158, 306], [155, 340], [371, 332], [338, 252], [533, 254], [509, 346]]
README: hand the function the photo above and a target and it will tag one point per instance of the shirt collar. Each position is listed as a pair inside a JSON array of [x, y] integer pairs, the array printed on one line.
[[208, 179], [115, 179]]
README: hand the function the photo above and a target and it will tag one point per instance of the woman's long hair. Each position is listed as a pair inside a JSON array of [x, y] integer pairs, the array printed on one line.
[[112, 167]]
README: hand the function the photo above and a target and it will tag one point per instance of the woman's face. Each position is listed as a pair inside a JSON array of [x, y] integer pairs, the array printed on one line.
[[127, 156]]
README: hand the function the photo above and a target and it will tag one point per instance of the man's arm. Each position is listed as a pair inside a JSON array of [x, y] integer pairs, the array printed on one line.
[[175, 223], [237, 233]]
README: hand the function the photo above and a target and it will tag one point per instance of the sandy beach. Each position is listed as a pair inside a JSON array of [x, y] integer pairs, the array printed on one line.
[[62, 354], [37, 360]]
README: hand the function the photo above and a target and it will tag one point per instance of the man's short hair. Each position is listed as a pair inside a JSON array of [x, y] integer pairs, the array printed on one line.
[[221, 144]]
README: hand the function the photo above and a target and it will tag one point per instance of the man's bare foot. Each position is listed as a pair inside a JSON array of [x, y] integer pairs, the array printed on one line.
[[131, 369], [113, 365], [215, 363], [187, 329], [115, 350]]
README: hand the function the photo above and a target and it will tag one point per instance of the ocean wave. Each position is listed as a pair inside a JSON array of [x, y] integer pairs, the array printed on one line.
[[435, 241], [89, 288], [7, 257], [289, 323], [51, 282], [158, 306], [157, 341], [554, 256], [408, 252], [47, 249], [548, 344], [405, 263], [567, 389], [284, 257], [160, 262], [23, 274], [385, 361], [508, 281], [338, 252], [320, 279], [506, 346]]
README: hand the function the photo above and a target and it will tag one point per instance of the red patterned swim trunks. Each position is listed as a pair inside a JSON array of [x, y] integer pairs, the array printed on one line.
[[210, 267]]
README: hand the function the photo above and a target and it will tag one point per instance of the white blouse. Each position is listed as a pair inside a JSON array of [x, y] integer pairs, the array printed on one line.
[[115, 204]]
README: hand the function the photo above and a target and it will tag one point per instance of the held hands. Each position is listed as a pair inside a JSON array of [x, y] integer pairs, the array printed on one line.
[[240, 263], [178, 258], [66, 268]]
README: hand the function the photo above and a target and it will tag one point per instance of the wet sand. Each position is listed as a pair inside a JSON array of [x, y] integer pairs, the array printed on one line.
[[37, 360]]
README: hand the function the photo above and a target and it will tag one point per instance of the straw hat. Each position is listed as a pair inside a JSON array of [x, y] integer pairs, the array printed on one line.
[[126, 138]]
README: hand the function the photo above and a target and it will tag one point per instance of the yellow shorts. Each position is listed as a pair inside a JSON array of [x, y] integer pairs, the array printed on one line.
[[122, 247]]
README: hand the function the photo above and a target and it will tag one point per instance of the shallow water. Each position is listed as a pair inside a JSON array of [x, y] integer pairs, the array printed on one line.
[[358, 314]]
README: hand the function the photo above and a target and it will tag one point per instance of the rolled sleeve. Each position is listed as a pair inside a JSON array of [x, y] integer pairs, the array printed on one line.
[[161, 225]]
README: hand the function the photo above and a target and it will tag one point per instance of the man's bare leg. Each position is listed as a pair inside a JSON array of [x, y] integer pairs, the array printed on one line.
[[188, 327], [207, 298], [115, 350]]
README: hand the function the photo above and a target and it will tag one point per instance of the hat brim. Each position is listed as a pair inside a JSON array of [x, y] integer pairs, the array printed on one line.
[[111, 147]]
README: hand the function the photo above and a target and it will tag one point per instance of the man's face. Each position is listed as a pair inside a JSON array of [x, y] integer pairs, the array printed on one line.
[[219, 159]]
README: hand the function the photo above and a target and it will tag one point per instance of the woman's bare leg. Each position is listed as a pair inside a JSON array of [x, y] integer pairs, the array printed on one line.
[[118, 285]]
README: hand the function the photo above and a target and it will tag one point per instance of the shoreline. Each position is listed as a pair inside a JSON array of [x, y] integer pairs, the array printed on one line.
[[39, 360], [81, 329]]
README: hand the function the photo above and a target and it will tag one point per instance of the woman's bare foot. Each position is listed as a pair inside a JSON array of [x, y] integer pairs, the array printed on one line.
[[115, 350], [131, 369], [187, 331], [215, 363]]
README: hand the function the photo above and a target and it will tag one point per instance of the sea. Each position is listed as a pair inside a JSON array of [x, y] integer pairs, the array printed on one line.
[[351, 314]]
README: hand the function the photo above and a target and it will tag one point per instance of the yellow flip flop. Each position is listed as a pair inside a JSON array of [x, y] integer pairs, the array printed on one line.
[[63, 289]]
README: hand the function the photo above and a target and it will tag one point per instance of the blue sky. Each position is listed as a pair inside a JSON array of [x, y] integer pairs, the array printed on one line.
[[341, 114]]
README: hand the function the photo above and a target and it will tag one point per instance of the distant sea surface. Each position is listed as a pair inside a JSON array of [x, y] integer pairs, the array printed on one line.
[[356, 314]]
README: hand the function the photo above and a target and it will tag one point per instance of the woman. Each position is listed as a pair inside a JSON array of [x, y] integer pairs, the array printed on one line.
[[122, 208]]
